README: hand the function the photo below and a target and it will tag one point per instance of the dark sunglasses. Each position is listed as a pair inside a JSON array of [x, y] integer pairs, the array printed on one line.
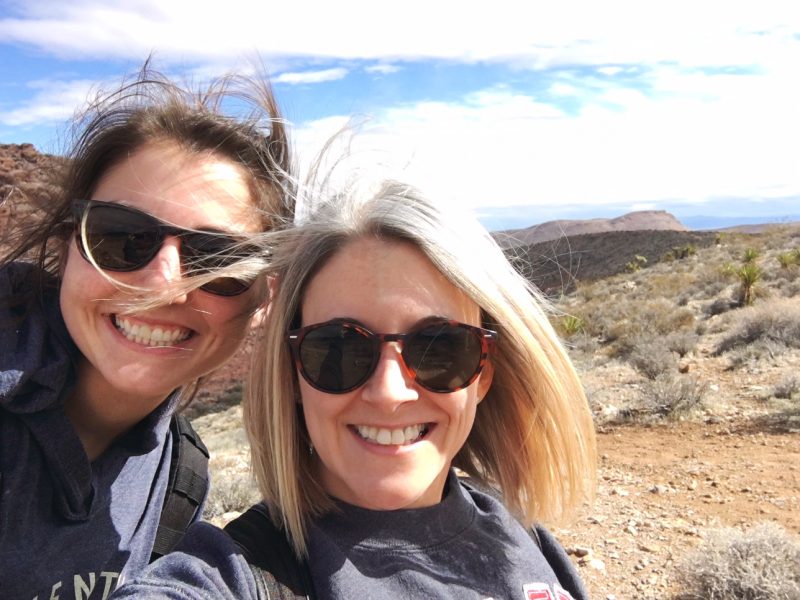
[[442, 356], [121, 238]]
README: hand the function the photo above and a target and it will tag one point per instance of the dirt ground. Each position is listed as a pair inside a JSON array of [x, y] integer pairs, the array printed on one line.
[[661, 488]]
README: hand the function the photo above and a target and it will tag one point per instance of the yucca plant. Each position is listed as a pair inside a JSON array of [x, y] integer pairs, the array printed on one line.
[[787, 259], [570, 325], [749, 274], [750, 255]]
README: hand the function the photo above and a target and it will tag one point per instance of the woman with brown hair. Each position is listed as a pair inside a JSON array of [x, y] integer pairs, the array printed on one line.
[[136, 284]]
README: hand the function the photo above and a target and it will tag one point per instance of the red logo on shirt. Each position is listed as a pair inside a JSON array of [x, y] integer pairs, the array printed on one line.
[[542, 591]]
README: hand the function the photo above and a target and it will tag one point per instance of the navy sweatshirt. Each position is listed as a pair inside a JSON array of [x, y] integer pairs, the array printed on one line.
[[467, 546], [68, 528]]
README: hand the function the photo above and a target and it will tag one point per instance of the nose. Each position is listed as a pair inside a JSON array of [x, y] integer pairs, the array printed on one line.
[[165, 269], [391, 384]]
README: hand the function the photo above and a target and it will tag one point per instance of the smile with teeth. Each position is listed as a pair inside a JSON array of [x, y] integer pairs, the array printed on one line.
[[392, 437], [155, 336]]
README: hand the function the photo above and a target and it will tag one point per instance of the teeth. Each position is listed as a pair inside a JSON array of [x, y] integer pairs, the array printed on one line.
[[392, 437], [143, 334]]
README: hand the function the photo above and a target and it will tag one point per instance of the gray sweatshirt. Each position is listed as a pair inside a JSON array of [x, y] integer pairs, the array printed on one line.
[[467, 546], [68, 528]]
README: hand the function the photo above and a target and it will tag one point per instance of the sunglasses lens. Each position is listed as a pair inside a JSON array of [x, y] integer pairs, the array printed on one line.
[[444, 357], [125, 239], [120, 240], [336, 358], [204, 252]]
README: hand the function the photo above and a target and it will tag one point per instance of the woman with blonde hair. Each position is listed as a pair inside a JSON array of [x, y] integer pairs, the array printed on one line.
[[135, 284], [402, 353]]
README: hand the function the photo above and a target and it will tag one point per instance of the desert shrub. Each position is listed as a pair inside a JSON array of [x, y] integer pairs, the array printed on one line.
[[671, 397], [712, 288], [680, 252], [637, 263], [787, 259], [789, 388], [789, 289], [674, 320], [776, 322], [728, 269], [762, 563], [650, 356], [748, 356], [719, 306], [682, 342], [233, 492]]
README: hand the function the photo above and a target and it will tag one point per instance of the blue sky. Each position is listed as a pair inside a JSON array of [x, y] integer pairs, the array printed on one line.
[[522, 111]]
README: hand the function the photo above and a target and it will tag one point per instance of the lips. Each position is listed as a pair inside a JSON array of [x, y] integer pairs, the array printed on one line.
[[155, 336], [399, 436]]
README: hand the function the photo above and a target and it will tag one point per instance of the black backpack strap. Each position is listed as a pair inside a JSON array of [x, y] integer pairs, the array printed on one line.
[[279, 573], [186, 488]]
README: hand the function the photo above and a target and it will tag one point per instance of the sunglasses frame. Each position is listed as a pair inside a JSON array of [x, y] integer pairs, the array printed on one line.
[[295, 337], [81, 210]]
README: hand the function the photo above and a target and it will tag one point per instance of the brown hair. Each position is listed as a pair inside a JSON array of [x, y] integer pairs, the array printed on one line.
[[151, 108]]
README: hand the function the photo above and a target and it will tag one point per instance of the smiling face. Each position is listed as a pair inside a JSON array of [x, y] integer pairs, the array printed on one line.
[[389, 443], [131, 363]]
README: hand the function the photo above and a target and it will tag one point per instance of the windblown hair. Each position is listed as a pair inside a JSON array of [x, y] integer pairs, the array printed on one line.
[[233, 118], [151, 108], [533, 436]]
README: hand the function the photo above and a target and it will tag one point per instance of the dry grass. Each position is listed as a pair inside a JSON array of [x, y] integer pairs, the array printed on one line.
[[760, 564]]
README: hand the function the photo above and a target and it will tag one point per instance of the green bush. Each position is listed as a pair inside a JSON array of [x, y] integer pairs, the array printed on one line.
[[760, 564], [570, 325], [750, 255]]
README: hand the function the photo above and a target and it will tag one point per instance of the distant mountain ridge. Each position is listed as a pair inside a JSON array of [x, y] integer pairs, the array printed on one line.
[[642, 220]]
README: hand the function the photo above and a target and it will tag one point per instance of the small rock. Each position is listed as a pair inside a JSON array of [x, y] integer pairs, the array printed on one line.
[[597, 564]]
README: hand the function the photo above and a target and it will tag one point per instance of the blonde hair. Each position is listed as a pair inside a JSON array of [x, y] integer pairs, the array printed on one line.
[[533, 436]]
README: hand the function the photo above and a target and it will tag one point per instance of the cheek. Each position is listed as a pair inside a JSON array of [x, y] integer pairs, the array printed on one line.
[[80, 280], [319, 412]]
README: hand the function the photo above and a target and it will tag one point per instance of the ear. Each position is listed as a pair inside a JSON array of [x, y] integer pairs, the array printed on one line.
[[262, 312], [485, 380], [259, 316]]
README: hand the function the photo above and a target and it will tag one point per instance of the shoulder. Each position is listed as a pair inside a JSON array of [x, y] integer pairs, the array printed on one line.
[[207, 564], [562, 566], [489, 500]]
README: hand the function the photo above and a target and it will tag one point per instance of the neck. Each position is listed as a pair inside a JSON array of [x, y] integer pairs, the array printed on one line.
[[100, 413]]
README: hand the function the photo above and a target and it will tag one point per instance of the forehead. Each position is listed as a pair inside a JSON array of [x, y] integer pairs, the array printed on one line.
[[387, 285], [194, 190]]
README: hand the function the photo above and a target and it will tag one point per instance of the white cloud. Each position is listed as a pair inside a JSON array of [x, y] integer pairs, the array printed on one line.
[[734, 136], [690, 100], [536, 33], [53, 101], [383, 69], [311, 76]]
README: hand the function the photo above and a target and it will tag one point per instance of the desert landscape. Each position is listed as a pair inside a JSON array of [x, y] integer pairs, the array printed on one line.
[[688, 344]]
